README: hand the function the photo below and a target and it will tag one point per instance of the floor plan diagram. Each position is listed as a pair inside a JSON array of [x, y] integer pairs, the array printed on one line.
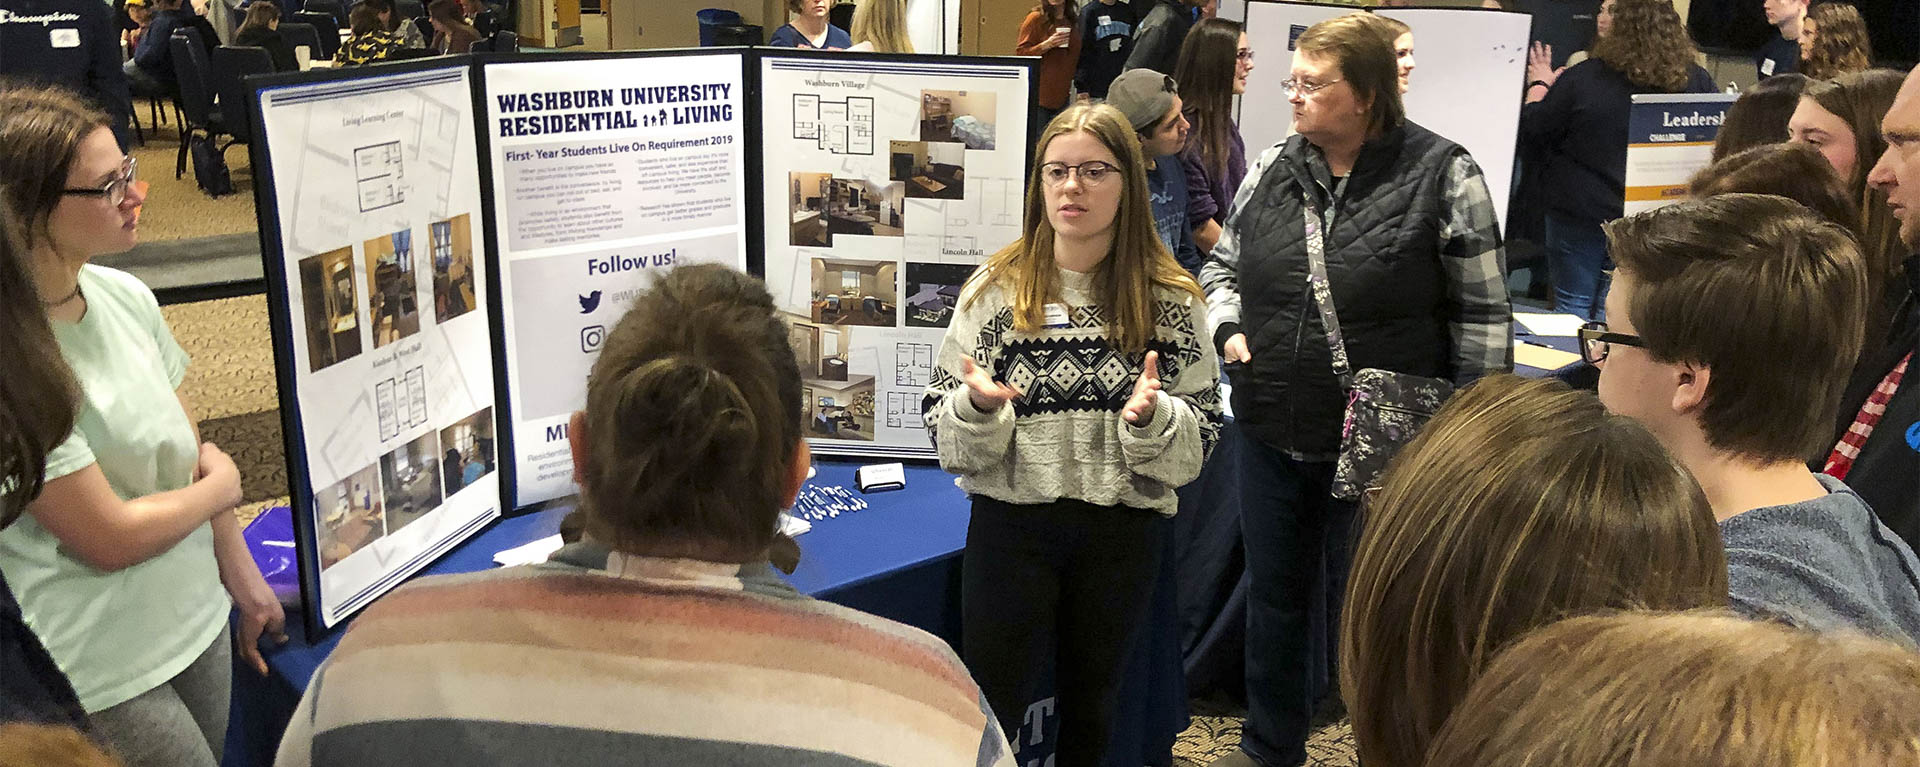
[[840, 127]]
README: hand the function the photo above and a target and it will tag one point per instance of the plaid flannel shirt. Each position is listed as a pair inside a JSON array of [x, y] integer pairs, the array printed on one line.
[[1479, 315]]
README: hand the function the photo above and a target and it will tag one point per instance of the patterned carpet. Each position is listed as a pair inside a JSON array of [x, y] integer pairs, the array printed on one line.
[[231, 384]]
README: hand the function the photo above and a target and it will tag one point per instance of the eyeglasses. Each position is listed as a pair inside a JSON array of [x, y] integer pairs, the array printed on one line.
[[1595, 341], [1092, 172], [1302, 88], [1244, 54], [115, 190]]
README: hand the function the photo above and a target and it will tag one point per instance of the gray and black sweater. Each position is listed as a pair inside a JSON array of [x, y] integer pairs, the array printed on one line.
[[1065, 438]]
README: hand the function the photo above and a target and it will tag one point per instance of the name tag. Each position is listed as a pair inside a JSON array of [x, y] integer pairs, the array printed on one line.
[[64, 38], [1058, 316], [1766, 67], [1105, 20]]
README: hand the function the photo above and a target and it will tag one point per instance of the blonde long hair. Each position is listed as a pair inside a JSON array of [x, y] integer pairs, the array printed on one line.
[[1521, 503], [1137, 263], [883, 23]]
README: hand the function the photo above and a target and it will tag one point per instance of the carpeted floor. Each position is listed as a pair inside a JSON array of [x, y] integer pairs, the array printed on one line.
[[176, 208]]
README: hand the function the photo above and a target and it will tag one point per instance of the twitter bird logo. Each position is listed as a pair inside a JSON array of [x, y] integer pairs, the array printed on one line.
[[590, 302]]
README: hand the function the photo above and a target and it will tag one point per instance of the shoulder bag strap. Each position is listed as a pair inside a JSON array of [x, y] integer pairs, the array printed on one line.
[[1322, 291]]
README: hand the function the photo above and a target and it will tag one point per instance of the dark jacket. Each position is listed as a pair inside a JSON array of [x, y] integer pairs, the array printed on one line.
[[32, 689], [1383, 251], [71, 43], [155, 54], [277, 47], [1156, 43], [1886, 473], [1106, 40], [1580, 130]]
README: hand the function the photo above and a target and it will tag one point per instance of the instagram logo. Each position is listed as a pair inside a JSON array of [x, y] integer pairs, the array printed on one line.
[[591, 338]]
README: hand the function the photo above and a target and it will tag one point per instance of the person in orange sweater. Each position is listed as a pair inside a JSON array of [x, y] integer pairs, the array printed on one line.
[[1048, 32]]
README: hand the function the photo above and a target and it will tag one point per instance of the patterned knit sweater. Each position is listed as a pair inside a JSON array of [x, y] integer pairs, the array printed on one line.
[[597, 658], [1065, 438]]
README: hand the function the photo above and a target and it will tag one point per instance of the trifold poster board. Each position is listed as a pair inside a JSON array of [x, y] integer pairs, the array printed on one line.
[[884, 188], [1471, 66], [1669, 138], [448, 243]]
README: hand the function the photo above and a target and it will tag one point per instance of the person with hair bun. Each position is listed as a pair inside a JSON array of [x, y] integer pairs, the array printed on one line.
[[1073, 393], [1834, 42], [1688, 690], [1538, 476], [663, 637]]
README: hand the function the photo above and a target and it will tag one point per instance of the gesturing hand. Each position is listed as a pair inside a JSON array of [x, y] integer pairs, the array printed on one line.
[[1139, 408], [987, 394], [1540, 64]]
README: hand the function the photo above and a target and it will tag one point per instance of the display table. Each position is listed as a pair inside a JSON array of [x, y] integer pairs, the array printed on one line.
[[899, 559]]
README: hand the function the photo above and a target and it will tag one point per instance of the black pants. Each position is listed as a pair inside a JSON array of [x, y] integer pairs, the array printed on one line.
[[1299, 548], [1067, 569]]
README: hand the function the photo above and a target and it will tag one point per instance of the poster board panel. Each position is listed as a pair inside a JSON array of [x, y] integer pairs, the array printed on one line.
[[887, 181], [606, 170], [371, 214], [1471, 64], [1669, 138]]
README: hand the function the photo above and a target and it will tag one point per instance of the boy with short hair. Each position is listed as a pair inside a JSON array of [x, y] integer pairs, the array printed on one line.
[[1781, 53], [1735, 321], [1151, 103]]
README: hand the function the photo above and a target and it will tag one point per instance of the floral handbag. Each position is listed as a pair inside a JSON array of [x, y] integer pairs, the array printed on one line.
[[1384, 408]]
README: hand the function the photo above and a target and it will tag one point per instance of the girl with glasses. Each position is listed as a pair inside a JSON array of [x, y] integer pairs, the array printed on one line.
[[1073, 394], [130, 559]]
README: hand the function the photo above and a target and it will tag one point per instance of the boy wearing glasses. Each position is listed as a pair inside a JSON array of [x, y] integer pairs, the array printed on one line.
[[1734, 323]]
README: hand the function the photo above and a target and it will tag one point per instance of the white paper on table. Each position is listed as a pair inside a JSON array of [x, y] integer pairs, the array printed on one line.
[[1542, 357], [792, 525], [529, 554], [1550, 324]]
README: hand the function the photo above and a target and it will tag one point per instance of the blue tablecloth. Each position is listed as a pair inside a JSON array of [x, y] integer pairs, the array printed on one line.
[[899, 558]]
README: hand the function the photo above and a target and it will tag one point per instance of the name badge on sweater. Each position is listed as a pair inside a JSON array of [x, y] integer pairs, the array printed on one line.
[[64, 38], [1058, 316], [1766, 67]]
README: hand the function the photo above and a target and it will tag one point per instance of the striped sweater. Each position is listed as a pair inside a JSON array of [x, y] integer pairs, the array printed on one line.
[[1065, 438], [597, 658]]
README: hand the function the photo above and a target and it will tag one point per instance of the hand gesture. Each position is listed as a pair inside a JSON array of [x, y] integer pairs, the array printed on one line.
[[987, 394], [1139, 408], [1540, 64], [1236, 348], [1059, 39]]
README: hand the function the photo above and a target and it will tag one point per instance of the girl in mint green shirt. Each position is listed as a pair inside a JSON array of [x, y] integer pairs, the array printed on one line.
[[128, 562]]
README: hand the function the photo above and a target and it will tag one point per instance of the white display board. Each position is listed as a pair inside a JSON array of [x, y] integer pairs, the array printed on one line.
[[1466, 87], [887, 181], [1669, 138], [606, 172], [382, 329]]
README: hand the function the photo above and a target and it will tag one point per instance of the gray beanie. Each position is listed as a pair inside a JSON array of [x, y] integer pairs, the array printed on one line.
[[1143, 95]]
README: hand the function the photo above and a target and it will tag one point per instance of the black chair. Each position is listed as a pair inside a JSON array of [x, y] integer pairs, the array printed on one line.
[[195, 100], [327, 28], [297, 34], [498, 42], [231, 65], [331, 8]]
